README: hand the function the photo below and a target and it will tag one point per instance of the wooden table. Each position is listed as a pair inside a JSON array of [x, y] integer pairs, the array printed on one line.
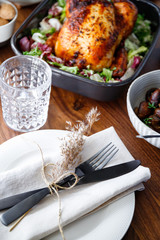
[[65, 105]]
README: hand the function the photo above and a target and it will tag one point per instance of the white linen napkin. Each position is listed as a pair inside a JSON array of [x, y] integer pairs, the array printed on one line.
[[43, 219]]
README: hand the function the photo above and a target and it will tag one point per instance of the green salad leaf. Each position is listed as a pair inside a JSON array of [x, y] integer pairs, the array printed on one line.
[[142, 30], [87, 72], [62, 3], [136, 52], [63, 15], [130, 45], [35, 30], [34, 52], [96, 77], [107, 73], [73, 70], [55, 64], [49, 16], [49, 31]]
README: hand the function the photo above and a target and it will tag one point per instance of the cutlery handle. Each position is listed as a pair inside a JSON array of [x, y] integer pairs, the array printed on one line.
[[22, 207], [148, 136], [19, 209], [13, 200]]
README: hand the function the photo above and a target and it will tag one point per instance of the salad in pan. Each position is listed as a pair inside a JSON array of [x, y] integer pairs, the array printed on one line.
[[101, 40]]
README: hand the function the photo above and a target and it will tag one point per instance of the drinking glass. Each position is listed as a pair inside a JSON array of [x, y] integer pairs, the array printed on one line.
[[25, 83]]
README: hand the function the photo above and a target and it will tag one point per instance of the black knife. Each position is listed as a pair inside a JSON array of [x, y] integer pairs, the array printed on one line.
[[99, 175]]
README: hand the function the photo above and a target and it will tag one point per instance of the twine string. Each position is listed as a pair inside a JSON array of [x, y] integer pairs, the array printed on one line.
[[53, 187]]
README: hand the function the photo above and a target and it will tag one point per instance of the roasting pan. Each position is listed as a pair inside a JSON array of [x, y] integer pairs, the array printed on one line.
[[83, 86]]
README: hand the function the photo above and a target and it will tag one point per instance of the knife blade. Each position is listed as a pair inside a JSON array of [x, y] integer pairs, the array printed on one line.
[[99, 175]]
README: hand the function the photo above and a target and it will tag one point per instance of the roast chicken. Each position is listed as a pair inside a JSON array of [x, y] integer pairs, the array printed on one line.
[[94, 31]]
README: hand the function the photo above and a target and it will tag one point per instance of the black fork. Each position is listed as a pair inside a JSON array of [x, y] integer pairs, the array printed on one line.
[[97, 161]]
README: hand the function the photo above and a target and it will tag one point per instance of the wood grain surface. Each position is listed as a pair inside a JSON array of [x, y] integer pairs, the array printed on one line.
[[65, 105]]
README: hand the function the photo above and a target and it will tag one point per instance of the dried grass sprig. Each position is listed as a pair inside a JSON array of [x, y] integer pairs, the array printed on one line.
[[73, 143]]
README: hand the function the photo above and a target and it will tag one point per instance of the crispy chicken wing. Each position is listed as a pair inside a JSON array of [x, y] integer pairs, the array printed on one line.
[[93, 30]]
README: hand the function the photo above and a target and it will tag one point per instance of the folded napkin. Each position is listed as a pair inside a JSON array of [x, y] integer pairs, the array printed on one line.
[[26, 175]]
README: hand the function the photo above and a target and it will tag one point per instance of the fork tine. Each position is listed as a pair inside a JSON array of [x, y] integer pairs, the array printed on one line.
[[98, 153], [105, 159], [101, 155]]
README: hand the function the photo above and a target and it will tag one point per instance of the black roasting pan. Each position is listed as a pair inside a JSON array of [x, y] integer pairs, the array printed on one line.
[[86, 87]]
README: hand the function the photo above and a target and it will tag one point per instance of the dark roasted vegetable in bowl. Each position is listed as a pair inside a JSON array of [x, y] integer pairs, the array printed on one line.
[[149, 109], [143, 105], [97, 80]]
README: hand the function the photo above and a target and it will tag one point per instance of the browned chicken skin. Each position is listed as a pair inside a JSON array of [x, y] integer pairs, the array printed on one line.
[[93, 30], [126, 15], [51, 41], [119, 63]]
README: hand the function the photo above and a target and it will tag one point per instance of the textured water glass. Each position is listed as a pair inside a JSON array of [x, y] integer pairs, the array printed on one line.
[[25, 83]]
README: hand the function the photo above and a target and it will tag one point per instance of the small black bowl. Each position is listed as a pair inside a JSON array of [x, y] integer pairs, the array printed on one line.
[[87, 87]]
